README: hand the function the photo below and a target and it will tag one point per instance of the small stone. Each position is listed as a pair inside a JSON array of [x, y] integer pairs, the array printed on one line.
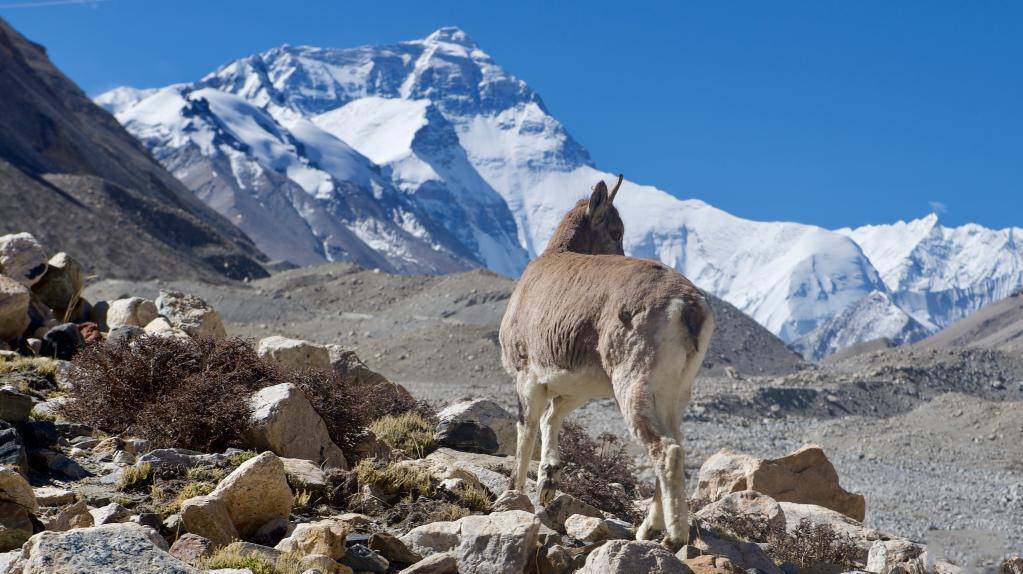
[[110, 514], [466, 436], [53, 496], [712, 564], [393, 549], [190, 314], [587, 528], [62, 341], [435, 564], [325, 537], [191, 548], [294, 354], [15, 407], [133, 311], [563, 506]]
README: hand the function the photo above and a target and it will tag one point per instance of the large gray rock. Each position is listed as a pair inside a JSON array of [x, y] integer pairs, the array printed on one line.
[[294, 354], [285, 422], [133, 312], [487, 413], [745, 503], [61, 285], [15, 407], [493, 544], [110, 549], [22, 258], [628, 556], [14, 302], [805, 476], [190, 314], [255, 493]]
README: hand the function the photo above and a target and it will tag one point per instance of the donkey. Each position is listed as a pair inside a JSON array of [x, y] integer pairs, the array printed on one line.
[[587, 322]]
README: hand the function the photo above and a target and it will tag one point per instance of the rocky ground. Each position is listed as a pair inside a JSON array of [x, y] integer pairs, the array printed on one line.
[[878, 414]]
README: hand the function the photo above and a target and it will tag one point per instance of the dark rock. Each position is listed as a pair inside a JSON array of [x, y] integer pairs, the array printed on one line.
[[72, 430], [56, 463], [361, 559], [98, 314], [62, 341], [272, 532], [467, 436], [14, 406], [12, 449], [354, 538], [150, 519], [38, 434], [124, 334]]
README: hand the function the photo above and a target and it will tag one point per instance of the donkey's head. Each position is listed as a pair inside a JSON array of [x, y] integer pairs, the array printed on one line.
[[593, 226]]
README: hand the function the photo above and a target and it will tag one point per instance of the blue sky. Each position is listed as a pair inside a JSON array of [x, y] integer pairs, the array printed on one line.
[[828, 112]]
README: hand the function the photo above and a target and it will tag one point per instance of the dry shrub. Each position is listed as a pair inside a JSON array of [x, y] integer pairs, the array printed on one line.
[[189, 393], [599, 471], [394, 479], [812, 543], [193, 393]]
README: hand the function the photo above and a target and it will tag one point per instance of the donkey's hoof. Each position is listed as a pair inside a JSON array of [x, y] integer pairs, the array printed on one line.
[[673, 545], [646, 532], [547, 491]]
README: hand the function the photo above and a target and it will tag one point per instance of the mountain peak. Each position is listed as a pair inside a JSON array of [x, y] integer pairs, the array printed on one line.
[[451, 35]]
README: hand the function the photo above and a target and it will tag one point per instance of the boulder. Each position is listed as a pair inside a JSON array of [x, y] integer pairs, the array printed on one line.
[[482, 467], [485, 412], [712, 564], [161, 327], [12, 448], [325, 537], [467, 436], [207, 516], [745, 503], [885, 555], [15, 407], [285, 422], [15, 526], [14, 303], [22, 258], [561, 508], [512, 500], [53, 496], [805, 476], [109, 549], [255, 492], [492, 544], [190, 314], [435, 564], [745, 555], [63, 341], [112, 513], [57, 463], [124, 334], [392, 548], [73, 516], [191, 548], [294, 354], [627, 556], [587, 528], [15, 489], [61, 285], [305, 475], [840, 523], [133, 311], [362, 559]]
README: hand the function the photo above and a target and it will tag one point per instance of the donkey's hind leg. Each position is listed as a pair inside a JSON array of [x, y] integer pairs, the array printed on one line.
[[550, 458], [532, 399], [654, 521]]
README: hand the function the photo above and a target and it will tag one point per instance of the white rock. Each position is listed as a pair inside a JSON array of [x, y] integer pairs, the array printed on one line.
[[22, 258], [255, 493], [628, 556], [190, 314], [294, 353], [109, 549], [109, 514], [161, 327], [587, 528], [885, 554], [492, 544], [133, 311], [14, 302], [285, 422]]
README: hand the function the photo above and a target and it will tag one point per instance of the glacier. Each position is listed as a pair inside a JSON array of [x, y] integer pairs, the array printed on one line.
[[427, 156]]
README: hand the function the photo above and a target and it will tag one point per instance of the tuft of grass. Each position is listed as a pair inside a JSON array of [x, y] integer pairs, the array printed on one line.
[[135, 477], [205, 474], [229, 557], [410, 432], [475, 498], [36, 416], [41, 365], [303, 500], [191, 490], [238, 458], [451, 512], [394, 479]]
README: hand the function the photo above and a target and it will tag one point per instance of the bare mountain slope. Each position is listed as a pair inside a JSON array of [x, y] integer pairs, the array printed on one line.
[[74, 178], [998, 325]]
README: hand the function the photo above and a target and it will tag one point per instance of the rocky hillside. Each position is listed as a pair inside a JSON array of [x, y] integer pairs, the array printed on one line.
[[998, 325], [72, 176]]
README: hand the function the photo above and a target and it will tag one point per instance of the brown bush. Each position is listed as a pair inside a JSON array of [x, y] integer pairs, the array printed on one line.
[[594, 469], [810, 543], [193, 393]]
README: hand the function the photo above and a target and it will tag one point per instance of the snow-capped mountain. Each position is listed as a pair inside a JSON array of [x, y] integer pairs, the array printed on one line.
[[875, 316], [466, 157]]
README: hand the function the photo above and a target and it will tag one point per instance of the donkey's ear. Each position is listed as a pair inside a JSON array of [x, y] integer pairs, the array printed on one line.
[[599, 202]]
